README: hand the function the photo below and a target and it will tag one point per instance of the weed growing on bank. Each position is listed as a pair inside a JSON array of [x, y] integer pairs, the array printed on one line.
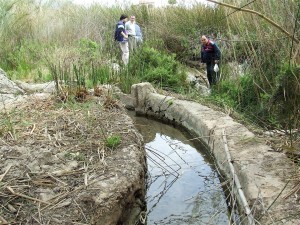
[[113, 141]]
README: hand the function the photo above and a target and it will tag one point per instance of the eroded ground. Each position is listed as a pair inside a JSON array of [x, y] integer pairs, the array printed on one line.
[[70, 163]]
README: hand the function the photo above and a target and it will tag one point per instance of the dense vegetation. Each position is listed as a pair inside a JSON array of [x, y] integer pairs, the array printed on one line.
[[260, 74]]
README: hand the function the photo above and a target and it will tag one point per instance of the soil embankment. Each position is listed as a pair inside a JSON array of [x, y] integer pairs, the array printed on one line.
[[69, 163]]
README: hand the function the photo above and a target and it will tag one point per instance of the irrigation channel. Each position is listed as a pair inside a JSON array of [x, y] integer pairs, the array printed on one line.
[[183, 184]]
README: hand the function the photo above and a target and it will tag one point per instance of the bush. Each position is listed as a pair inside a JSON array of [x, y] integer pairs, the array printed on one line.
[[239, 94], [226, 93], [161, 69], [247, 92], [285, 101]]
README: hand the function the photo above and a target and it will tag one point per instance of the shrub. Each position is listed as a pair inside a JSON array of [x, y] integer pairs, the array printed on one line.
[[113, 141], [239, 94], [226, 93], [285, 101], [159, 68]]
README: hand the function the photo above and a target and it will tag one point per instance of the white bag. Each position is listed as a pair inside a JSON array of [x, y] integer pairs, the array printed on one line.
[[216, 68]]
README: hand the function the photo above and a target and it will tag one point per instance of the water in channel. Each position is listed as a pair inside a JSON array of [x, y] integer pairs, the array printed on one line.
[[183, 186]]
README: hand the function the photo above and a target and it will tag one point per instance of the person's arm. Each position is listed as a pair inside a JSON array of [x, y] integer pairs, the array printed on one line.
[[217, 53], [201, 54], [123, 32], [124, 35]]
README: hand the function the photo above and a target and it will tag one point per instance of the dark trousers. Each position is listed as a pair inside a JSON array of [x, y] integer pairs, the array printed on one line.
[[212, 76]]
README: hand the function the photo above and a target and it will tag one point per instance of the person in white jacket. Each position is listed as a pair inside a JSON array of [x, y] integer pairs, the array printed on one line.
[[130, 29]]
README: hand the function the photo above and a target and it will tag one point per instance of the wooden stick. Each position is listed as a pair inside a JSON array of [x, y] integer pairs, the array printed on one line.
[[260, 15], [237, 183], [3, 221], [85, 175], [294, 190], [6, 171], [33, 128], [50, 175], [25, 196]]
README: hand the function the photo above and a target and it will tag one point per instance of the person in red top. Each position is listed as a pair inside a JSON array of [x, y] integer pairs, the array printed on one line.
[[210, 54]]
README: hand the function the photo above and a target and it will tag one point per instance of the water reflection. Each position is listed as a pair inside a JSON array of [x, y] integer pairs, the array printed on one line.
[[183, 187]]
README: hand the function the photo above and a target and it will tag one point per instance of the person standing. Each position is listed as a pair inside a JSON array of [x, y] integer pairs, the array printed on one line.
[[210, 54], [122, 37], [130, 28], [138, 35]]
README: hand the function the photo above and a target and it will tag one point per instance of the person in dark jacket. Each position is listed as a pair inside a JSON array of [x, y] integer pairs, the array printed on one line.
[[210, 54], [122, 37]]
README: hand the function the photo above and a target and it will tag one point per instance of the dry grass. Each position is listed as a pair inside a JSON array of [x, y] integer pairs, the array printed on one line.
[[52, 154]]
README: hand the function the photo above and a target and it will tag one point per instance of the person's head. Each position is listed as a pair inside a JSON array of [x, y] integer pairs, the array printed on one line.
[[204, 39], [132, 19], [124, 17]]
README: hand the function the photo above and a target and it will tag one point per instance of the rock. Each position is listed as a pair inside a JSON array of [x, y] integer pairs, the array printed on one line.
[[45, 194], [269, 133], [7, 86], [116, 67], [195, 77], [140, 91], [191, 78], [203, 90], [48, 87]]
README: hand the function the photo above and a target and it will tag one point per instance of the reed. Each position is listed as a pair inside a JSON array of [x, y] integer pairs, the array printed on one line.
[[38, 39]]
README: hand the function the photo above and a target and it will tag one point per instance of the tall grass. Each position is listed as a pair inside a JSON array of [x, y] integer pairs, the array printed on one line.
[[16, 26], [39, 39], [266, 50]]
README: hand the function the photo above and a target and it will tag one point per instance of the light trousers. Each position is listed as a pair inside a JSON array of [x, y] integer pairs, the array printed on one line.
[[125, 52], [132, 43]]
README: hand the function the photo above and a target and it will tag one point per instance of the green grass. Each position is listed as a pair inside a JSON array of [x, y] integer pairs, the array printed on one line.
[[113, 141]]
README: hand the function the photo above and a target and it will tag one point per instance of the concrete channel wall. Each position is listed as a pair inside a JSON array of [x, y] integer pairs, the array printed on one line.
[[261, 172]]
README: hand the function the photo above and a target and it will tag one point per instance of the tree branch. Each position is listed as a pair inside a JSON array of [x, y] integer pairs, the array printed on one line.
[[260, 15]]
